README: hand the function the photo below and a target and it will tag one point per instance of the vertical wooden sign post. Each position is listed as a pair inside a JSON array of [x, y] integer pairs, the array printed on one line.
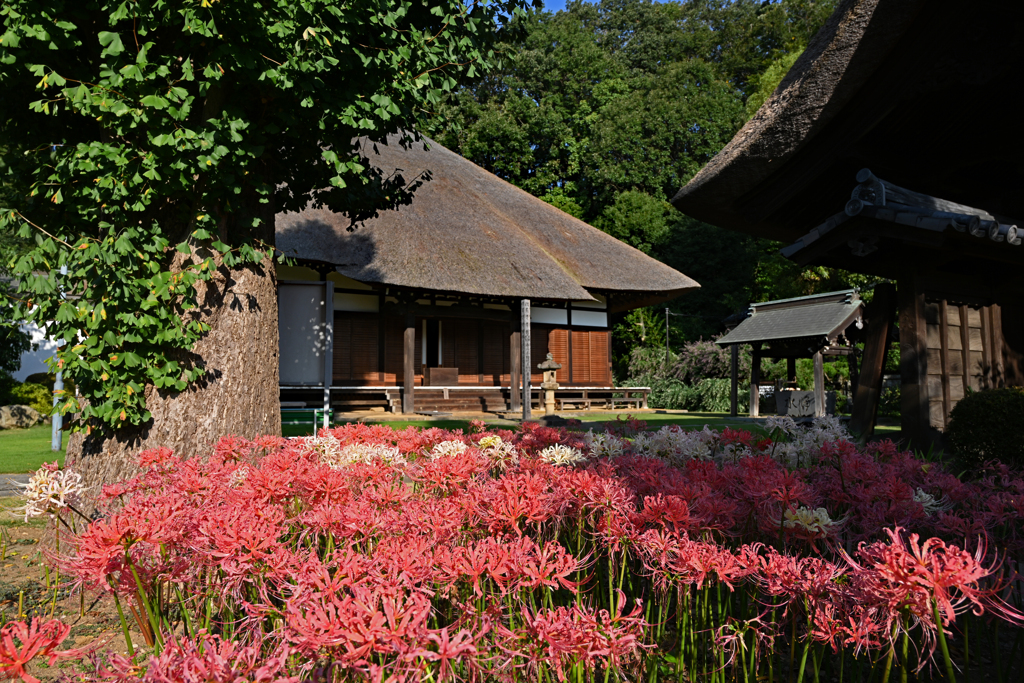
[[409, 364], [328, 350], [524, 332]]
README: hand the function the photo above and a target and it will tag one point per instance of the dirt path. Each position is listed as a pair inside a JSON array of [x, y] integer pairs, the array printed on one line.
[[24, 579]]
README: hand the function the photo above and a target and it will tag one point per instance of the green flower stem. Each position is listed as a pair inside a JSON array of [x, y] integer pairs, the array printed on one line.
[[950, 675], [124, 627]]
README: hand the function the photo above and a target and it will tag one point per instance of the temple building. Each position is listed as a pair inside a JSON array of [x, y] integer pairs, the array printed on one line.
[[421, 308], [892, 148]]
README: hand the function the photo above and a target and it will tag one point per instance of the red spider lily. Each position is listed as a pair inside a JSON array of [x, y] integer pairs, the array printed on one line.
[[213, 659], [565, 636], [461, 646], [22, 642], [796, 578], [907, 573]]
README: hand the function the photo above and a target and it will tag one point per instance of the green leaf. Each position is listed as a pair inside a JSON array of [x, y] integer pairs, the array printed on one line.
[[111, 43]]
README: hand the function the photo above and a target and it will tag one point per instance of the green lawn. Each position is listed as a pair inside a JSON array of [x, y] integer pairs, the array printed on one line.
[[595, 421], [24, 450]]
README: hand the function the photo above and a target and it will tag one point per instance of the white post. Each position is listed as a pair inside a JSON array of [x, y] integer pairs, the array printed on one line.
[[56, 437], [525, 335], [57, 422], [328, 351]]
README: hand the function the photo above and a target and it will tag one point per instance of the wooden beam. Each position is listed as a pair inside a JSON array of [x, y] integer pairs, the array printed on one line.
[[851, 364], [480, 352], [914, 410], [381, 348], [986, 348], [880, 315], [568, 314], [944, 357], [514, 349], [755, 377], [734, 373], [819, 384], [456, 311], [998, 346], [409, 365], [965, 343]]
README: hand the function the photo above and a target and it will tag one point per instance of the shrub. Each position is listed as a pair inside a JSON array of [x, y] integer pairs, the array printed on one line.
[[682, 386], [34, 395], [889, 403], [714, 395], [987, 425]]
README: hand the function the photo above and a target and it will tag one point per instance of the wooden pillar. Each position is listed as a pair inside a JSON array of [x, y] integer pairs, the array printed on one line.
[[915, 419], [819, 384], [944, 359], [965, 345], [514, 349], [409, 365], [755, 377], [998, 346], [381, 348], [868, 392], [568, 313], [791, 371], [524, 325], [480, 352], [851, 363], [734, 372], [986, 349]]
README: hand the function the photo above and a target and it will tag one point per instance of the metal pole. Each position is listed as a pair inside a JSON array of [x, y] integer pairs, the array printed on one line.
[[57, 423], [666, 336], [525, 336]]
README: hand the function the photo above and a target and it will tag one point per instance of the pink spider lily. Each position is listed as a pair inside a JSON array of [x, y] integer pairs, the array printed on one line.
[[22, 642]]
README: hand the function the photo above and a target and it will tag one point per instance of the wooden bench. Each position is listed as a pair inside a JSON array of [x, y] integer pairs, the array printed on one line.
[[561, 403], [630, 402]]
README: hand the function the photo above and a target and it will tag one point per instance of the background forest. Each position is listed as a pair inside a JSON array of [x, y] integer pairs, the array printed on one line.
[[605, 110]]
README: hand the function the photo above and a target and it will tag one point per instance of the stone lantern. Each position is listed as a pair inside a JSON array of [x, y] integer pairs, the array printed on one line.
[[549, 366]]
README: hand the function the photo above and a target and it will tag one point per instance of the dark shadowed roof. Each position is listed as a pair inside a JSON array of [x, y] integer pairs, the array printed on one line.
[[468, 231], [876, 89], [818, 317]]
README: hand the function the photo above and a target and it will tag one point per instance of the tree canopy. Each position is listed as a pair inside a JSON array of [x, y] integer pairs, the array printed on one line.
[[148, 144], [607, 109]]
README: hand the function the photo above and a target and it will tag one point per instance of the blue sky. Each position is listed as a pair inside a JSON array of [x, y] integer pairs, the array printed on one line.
[[554, 5]]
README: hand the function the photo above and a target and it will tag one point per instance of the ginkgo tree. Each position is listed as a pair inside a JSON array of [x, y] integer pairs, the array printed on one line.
[[147, 146]]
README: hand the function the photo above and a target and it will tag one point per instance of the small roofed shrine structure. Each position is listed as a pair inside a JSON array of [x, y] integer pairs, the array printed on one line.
[[425, 308], [805, 327], [885, 151]]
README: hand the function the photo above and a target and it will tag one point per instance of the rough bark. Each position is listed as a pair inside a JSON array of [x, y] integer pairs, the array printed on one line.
[[238, 394]]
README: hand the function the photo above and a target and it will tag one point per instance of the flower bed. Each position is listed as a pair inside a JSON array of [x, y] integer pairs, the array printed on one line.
[[366, 553]]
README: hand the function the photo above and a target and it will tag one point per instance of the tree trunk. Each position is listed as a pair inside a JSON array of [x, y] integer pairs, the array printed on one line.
[[237, 395]]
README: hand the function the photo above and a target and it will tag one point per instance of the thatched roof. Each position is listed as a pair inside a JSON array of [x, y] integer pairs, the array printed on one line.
[[913, 90], [468, 231]]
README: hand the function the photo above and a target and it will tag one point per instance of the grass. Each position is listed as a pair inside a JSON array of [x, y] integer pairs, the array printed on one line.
[[595, 421], [24, 450]]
